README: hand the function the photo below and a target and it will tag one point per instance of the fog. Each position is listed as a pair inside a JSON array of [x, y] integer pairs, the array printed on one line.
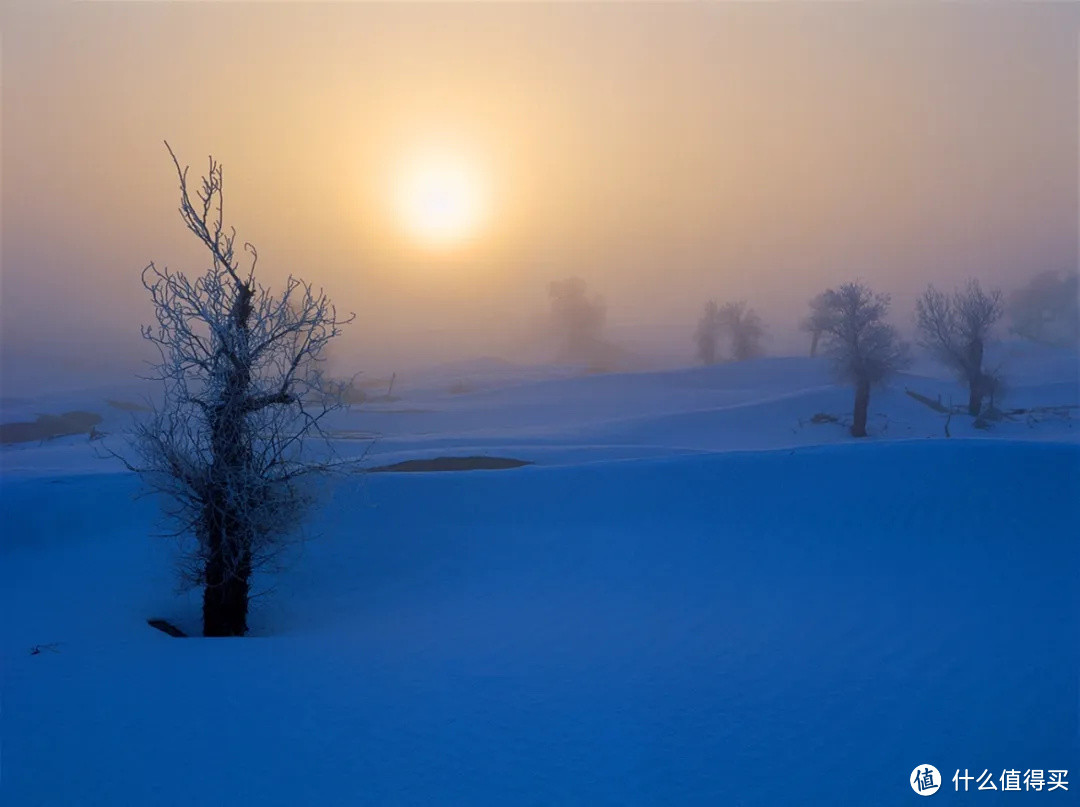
[[664, 153]]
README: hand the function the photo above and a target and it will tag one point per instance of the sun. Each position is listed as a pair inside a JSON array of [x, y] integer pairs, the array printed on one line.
[[440, 199]]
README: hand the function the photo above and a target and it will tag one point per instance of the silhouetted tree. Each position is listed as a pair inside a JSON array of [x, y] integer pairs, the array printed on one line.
[[743, 328], [578, 317], [242, 393], [1047, 309], [955, 329], [864, 349], [707, 335], [734, 323], [814, 323]]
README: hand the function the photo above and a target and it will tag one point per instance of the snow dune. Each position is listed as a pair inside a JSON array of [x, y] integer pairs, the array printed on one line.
[[649, 632], [690, 599]]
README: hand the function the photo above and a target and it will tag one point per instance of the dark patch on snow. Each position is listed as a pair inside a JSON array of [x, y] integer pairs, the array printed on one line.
[[454, 464]]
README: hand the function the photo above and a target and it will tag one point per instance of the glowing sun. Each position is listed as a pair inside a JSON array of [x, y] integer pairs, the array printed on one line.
[[440, 200]]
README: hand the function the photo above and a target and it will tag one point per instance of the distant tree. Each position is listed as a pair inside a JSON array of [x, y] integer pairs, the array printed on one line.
[[955, 328], [734, 323], [579, 318], [864, 349], [707, 335], [743, 328], [815, 321], [1047, 309], [243, 392]]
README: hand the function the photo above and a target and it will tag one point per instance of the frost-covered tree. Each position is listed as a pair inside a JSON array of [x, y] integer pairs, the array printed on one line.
[[955, 329], [578, 317], [743, 328], [242, 395], [707, 334], [864, 349], [1047, 309]]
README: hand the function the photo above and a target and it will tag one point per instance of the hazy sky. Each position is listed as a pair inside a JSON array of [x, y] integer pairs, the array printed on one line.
[[664, 152]]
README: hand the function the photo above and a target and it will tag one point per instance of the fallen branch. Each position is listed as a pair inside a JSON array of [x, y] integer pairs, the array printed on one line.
[[166, 627], [937, 406]]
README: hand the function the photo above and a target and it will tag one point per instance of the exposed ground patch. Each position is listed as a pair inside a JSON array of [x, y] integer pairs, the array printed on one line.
[[454, 464]]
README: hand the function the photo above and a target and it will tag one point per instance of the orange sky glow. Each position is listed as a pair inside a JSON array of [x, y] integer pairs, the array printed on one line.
[[666, 153]]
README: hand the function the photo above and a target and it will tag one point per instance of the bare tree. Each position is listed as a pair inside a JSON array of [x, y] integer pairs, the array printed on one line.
[[242, 394], [815, 321], [864, 349], [955, 329], [1047, 309], [743, 328], [707, 335], [579, 318], [737, 324]]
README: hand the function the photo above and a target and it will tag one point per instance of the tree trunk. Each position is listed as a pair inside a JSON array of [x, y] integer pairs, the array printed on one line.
[[225, 596], [228, 564], [227, 524], [862, 403], [976, 385], [975, 399], [225, 606], [225, 601], [814, 337]]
